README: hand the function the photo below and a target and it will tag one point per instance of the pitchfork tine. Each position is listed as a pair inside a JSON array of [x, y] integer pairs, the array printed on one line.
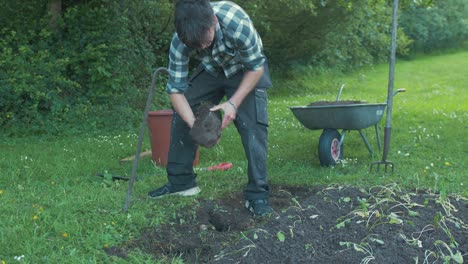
[[384, 163]]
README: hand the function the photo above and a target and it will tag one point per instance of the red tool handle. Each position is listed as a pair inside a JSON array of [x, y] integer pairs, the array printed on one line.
[[221, 166]]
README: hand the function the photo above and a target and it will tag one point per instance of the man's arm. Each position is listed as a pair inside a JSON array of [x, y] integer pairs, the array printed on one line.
[[249, 45], [182, 107], [247, 84], [178, 80]]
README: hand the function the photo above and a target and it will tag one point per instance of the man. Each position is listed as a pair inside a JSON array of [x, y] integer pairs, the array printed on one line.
[[222, 37]]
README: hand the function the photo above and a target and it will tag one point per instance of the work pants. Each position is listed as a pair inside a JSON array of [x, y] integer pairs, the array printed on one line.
[[251, 123]]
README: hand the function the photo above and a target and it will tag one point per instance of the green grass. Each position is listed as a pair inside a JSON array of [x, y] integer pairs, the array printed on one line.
[[428, 143], [54, 210]]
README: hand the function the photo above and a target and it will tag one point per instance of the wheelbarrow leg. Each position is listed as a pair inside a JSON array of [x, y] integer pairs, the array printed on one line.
[[377, 134], [366, 142], [343, 134]]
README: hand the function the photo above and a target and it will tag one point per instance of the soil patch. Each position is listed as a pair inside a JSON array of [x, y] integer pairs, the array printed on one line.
[[336, 224]]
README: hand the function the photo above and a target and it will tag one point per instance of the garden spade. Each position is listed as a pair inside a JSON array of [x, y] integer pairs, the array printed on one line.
[[142, 133], [388, 124]]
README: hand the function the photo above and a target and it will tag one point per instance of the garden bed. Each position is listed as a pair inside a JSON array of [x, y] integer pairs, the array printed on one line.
[[336, 224]]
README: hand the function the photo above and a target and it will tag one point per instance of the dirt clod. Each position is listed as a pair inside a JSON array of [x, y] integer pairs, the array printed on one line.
[[207, 127]]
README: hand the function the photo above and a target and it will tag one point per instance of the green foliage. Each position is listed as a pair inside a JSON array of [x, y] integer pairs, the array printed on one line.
[[31, 14], [92, 69], [443, 24], [32, 79], [309, 31], [354, 41], [150, 27]]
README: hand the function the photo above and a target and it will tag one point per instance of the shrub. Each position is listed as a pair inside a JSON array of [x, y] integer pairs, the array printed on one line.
[[32, 80], [333, 33], [440, 25], [93, 69]]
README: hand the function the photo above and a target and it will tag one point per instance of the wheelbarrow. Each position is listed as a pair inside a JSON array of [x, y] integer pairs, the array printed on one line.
[[343, 115]]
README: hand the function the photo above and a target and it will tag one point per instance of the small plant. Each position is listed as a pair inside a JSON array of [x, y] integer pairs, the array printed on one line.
[[457, 257], [308, 247], [280, 235], [294, 200], [362, 247]]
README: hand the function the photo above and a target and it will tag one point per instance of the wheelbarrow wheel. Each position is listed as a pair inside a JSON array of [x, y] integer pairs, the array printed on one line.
[[330, 150]]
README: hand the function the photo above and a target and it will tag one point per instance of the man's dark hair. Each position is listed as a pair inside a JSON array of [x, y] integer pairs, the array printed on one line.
[[193, 19]]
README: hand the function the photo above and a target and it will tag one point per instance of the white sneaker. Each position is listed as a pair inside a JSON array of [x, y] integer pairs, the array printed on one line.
[[189, 192]]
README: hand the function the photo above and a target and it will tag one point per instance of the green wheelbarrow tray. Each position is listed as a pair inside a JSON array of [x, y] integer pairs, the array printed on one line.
[[337, 116]]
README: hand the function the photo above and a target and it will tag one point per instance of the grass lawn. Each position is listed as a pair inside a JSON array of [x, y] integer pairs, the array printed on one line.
[[55, 210]]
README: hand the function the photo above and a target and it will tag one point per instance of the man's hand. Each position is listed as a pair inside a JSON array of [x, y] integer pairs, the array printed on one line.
[[249, 80], [229, 110]]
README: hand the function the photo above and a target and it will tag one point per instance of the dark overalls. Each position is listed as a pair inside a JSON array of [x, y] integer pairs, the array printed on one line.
[[251, 122]]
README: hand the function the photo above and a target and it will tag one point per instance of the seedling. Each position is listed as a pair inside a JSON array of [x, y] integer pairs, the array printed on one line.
[[280, 235], [412, 241], [394, 219], [362, 247], [457, 257]]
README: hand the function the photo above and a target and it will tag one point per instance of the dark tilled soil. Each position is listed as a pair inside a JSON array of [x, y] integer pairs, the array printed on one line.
[[323, 225]]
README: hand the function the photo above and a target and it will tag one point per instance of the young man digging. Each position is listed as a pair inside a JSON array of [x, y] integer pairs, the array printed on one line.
[[221, 36]]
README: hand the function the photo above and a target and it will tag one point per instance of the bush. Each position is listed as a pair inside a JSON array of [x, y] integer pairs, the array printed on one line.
[[32, 80], [93, 69], [441, 25], [309, 31]]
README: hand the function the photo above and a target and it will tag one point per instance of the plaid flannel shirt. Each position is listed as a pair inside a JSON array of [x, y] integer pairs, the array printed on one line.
[[237, 46]]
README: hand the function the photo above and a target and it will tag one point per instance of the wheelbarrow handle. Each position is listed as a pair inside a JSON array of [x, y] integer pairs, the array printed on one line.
[[401, 90], [339, 93]]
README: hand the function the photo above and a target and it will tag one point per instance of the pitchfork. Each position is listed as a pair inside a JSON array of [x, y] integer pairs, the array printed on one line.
[[388, 124]]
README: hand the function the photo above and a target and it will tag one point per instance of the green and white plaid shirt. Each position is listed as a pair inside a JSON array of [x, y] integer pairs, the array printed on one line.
[[237, 46]]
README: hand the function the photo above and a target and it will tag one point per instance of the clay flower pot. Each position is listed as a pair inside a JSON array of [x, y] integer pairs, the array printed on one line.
[[159, 124]]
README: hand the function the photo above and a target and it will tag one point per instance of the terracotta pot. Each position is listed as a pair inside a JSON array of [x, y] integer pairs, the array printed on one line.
[[159, 124]]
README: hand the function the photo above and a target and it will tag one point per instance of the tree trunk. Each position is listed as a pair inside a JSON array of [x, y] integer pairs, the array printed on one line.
[[55, 11]]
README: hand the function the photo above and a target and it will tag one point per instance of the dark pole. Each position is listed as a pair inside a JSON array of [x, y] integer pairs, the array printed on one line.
[[391, 76], [142, 133]]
